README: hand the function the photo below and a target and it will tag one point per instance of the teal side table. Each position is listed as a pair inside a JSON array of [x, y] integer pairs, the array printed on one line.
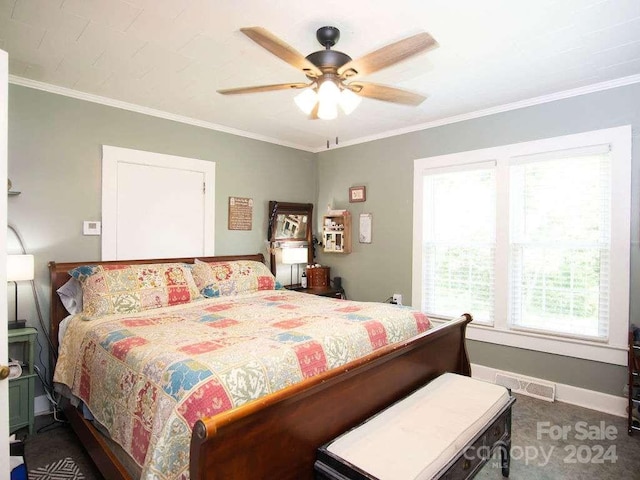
[[22, 388]]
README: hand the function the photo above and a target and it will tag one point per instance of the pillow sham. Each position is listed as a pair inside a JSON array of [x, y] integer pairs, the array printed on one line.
[[108, 289], [71, 296], [232, 278]]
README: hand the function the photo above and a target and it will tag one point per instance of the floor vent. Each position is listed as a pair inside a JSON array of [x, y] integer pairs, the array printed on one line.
[[527, 386]]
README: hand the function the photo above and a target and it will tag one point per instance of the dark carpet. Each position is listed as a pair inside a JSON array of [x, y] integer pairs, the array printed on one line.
[[561, 441], [54, 443], [550, 441]]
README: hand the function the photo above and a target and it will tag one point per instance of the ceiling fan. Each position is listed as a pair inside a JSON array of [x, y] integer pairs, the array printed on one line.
[[332, 73]]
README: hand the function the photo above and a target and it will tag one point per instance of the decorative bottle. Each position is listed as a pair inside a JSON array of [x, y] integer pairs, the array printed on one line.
[[303, 280]]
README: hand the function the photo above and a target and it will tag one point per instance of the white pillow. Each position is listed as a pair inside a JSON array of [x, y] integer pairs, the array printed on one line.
[[71, 296]]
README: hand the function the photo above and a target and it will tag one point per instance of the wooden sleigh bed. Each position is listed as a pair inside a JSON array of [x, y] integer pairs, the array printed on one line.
[[277, 435]]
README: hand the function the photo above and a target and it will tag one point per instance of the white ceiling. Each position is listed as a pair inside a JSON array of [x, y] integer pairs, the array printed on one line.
[[172, 56]]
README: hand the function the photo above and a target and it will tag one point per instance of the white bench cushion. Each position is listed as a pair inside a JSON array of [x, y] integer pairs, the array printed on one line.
[[418, 436]]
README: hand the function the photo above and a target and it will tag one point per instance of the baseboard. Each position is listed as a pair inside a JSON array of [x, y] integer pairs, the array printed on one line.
[[581, 397], [41, 405]]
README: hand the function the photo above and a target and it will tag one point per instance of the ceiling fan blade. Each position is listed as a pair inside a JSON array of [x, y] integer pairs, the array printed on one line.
[[263, 88], [386, 94], [280, 49], [387, 56]]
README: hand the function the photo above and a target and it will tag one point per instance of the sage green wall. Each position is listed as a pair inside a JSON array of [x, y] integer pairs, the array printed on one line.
[[377, 270], [55, 161]]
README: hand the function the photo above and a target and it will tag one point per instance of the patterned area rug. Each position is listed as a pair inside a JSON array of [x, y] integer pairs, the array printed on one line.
[[65, 469]]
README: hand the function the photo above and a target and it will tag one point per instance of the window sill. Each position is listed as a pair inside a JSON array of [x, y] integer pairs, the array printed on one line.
[[568, 347]]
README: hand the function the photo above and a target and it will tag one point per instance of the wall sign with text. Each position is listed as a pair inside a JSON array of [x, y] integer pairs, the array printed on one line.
[[240, 213]]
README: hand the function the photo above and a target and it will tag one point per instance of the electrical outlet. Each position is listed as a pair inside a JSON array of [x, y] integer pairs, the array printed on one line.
[[397, 298]]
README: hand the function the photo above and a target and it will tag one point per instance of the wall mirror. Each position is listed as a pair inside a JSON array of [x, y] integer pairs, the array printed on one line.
[[291, 227], [290, 224]]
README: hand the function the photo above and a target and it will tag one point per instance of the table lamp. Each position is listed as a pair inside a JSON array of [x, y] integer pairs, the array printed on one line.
[[19, 269], [294, 256]]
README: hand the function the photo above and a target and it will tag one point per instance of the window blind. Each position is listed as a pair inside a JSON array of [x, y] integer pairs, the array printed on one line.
[[560, 243], [459, 241]]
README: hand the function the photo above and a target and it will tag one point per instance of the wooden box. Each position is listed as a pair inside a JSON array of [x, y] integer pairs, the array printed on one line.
[[479, 433], [317, 277]]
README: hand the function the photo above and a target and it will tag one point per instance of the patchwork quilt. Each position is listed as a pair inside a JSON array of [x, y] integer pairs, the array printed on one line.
[[148, 376]]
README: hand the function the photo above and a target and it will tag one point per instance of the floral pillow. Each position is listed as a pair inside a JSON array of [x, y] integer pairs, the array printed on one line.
[[231, 278], [108, 289]]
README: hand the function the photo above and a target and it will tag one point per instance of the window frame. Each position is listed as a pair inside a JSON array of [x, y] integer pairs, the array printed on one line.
[[613, 350]]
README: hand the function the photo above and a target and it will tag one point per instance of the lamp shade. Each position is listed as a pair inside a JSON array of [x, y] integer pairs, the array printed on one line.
[[328, 92], [328, 98], [19, 268], [306, 100], [327, 111], [349, 101], [292, 256]]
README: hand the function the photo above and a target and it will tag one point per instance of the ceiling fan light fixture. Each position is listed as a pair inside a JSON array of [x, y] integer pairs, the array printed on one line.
[[329, 70], [329, 92], [327, 110], [349, 101], [306, 100]]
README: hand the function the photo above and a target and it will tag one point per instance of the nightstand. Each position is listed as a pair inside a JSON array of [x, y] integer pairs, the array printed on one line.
[[21, 389], [321, 291]]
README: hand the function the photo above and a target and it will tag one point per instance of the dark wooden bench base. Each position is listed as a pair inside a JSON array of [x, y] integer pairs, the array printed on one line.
[[494, 437]]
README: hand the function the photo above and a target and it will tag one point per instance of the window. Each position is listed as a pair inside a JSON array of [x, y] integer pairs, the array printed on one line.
[[560, 244], [459, 242], [526, 238]]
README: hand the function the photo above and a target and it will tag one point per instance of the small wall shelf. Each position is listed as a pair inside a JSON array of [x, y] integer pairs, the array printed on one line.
[[336, 233], [13, 193]]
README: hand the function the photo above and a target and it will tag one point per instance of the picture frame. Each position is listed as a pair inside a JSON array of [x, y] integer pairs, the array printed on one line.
[[357, 194], [365, 227]]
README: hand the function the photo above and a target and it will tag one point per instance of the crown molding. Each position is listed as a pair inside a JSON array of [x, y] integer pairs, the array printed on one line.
[[575, 92], [132, 107]]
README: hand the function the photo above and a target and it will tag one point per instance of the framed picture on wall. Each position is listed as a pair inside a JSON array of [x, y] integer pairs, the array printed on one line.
[[357, 194], [365, 227]]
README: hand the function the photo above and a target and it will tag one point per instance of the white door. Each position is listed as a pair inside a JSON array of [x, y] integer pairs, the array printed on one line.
[[156, 206], [4, 353]]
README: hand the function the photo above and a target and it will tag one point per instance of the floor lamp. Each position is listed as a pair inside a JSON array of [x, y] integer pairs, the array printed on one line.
[[294, 256], [19, 269]]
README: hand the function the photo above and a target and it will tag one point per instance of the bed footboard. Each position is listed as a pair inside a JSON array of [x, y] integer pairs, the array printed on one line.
[[277, 436]]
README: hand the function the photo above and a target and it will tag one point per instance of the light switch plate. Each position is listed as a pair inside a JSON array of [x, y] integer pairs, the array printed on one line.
[[90, 227]]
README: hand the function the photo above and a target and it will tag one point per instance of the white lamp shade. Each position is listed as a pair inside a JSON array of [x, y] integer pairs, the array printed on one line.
[[292, 256], [306, 100], [19, 268], [327, 111], [328, 92], [349, 101]]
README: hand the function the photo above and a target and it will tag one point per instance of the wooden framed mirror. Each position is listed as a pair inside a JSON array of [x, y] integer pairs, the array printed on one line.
[[290, 224]]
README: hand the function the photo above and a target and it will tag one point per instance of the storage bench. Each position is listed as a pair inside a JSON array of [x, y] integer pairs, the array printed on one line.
[[448, 429]]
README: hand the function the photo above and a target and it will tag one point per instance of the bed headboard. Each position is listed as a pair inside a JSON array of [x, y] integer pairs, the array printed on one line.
[[59, 275]]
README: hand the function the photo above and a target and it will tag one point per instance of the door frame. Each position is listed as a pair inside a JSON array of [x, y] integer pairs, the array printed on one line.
[[112, 156], [4, 338]]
